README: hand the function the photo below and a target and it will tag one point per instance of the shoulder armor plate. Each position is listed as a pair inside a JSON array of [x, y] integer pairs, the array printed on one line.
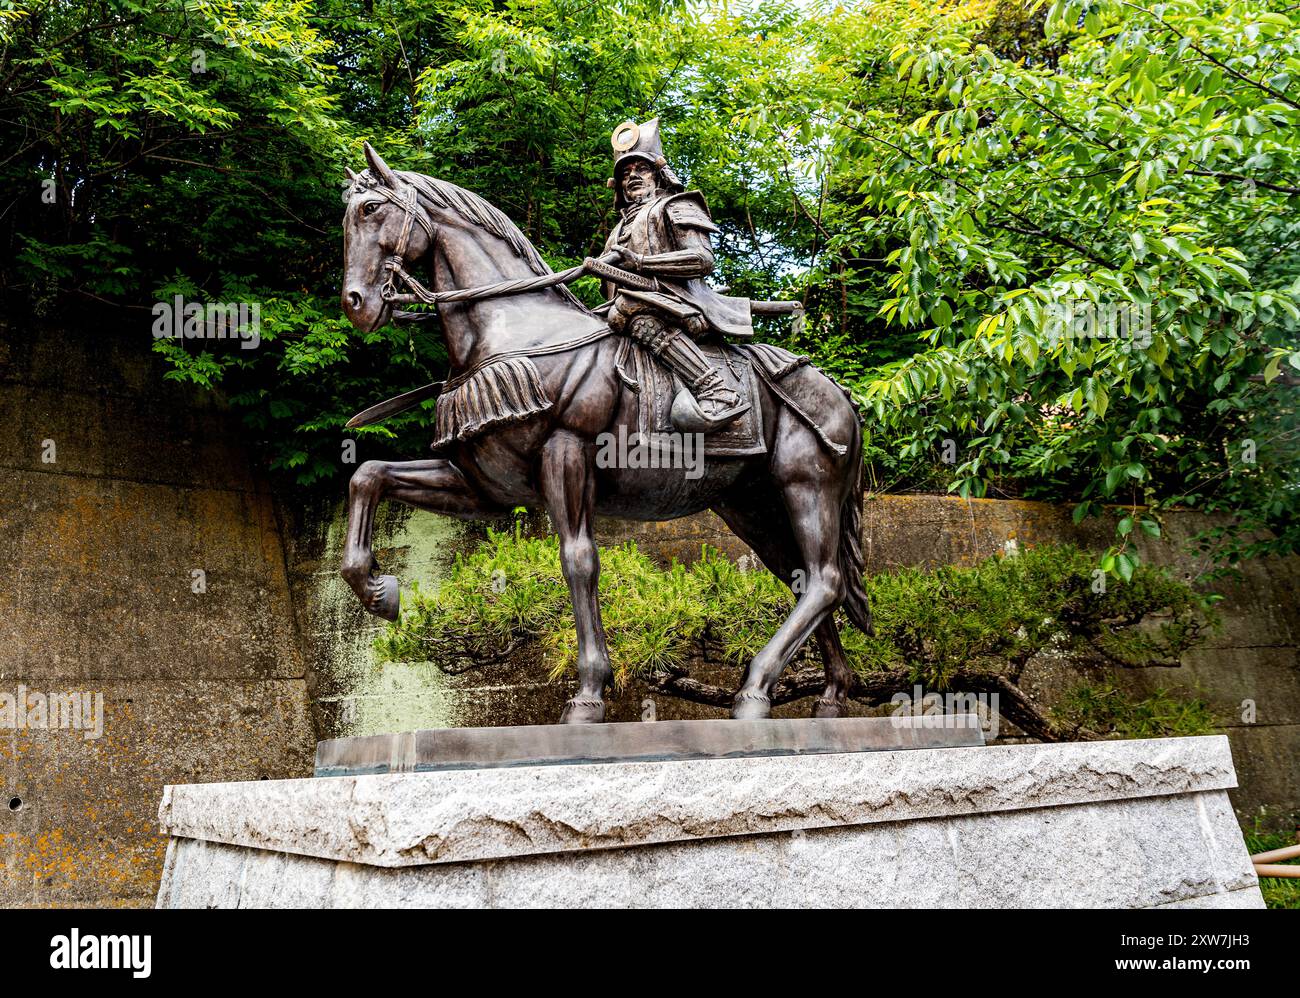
[[690, 211]]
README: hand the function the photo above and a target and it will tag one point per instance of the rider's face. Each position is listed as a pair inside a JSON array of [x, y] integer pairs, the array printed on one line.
[[638, 181]]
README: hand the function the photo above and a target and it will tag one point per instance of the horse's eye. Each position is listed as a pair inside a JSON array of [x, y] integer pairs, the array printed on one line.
[[370, 207]]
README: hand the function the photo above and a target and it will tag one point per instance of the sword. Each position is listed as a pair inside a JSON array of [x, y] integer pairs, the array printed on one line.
[[395, 405]]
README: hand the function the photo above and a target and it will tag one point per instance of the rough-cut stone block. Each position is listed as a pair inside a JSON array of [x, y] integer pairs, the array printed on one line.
[[1102, 824], [1243, 897], [407, 819], [919, 864]]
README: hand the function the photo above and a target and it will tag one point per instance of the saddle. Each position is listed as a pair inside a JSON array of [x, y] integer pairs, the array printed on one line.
[[656, 386]]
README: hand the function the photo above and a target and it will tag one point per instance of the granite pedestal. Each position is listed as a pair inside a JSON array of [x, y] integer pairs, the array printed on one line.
[[1128, 824]]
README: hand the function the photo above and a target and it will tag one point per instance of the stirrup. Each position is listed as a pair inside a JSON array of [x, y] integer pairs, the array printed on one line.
[[689, 417]]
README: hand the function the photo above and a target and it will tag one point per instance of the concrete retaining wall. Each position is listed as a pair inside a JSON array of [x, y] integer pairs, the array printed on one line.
[[146, 484]]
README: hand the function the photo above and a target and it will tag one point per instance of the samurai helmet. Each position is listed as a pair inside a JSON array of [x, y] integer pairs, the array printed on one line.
[[632, 141]]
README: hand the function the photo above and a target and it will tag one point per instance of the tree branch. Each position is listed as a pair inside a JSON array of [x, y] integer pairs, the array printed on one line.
[[874, 690], [1277, 94], [1240, 178]]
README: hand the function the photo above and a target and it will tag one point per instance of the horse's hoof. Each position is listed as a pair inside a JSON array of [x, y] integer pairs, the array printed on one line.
[[385, 600], [583, 710], [829, 708], [750, 706]]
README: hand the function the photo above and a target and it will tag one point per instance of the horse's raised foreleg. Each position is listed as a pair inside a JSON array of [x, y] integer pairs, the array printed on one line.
[[569, 489], [434, 485]]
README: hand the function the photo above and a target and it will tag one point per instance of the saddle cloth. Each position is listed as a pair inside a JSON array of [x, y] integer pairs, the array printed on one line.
[[656, 386]]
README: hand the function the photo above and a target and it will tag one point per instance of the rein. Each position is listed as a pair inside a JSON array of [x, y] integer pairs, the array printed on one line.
[[394, 265], [419, 293], [562, 347]]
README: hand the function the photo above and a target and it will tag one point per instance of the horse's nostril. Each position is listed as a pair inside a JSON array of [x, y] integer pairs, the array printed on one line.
[[354, 300]]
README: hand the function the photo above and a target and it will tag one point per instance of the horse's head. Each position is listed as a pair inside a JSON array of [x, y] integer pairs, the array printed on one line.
[[395, 218], [384, 221]]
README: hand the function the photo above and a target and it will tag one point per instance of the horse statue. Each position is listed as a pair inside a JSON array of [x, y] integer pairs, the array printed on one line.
[[538, 380]]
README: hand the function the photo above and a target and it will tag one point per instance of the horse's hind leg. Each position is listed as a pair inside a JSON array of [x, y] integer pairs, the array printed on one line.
[[815, 520], [434, 485], [756, 523], [840, 677]]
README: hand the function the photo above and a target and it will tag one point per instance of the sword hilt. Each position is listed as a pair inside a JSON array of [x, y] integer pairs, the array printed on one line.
[[617, 275]]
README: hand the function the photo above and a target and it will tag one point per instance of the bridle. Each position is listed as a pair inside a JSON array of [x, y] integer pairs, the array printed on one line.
[[408, 201], [395, 270]]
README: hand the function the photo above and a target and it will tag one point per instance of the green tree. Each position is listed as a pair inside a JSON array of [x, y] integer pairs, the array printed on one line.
[[1148, 178]]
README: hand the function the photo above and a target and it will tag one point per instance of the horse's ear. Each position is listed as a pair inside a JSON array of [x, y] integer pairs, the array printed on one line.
[[353, 176], [380, 168]]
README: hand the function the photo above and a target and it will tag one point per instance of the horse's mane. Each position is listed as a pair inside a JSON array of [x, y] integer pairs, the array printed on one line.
[[467, 204]]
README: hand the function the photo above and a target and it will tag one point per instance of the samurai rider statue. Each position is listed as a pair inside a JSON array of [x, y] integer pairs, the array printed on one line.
[[664, 232]]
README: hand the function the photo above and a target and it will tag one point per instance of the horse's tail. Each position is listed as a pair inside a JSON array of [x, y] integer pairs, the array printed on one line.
[[852, 563]]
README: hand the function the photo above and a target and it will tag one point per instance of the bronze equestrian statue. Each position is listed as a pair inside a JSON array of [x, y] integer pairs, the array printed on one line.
[[538, 380]]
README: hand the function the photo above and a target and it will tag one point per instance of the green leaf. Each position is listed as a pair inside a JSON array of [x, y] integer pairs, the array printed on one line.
[[1125, 564]]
